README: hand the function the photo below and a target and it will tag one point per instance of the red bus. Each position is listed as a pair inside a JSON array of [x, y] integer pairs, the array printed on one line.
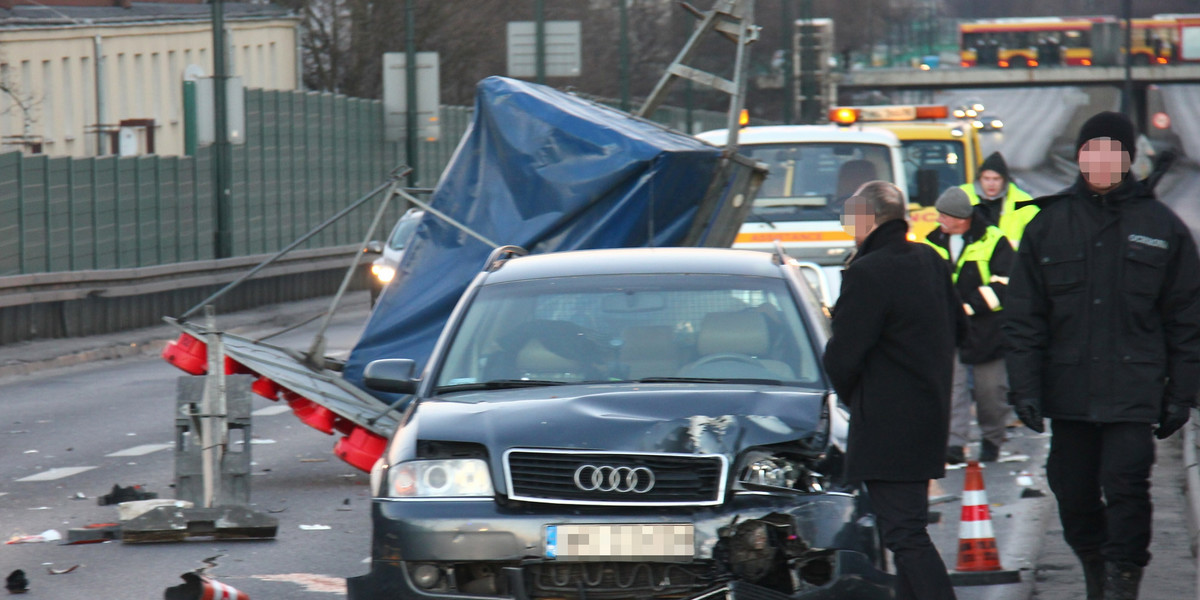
[[1056, 41]]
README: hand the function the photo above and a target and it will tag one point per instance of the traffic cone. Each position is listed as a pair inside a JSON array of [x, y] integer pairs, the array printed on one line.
[[978, 556], [199, 587], [976, 539]]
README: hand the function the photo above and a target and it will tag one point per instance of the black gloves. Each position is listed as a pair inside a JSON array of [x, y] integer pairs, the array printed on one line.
[[1029, 410], [1173, 416]]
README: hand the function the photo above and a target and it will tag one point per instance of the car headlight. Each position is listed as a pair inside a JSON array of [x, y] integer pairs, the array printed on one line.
[[997, 124], [761, 468], [449, 478], [977, 124], [383, 273]]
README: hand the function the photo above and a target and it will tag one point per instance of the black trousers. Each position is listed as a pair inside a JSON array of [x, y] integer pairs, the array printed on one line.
[[1100, 473], [902, 512]]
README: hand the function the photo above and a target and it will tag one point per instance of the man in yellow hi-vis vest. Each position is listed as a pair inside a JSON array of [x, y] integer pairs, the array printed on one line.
[[1005, 205], [980, 258]]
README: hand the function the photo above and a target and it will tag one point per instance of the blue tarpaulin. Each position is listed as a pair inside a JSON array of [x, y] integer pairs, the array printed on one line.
[[546, 171]]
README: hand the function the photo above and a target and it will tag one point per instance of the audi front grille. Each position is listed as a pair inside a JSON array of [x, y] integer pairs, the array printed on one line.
[[614, 478]]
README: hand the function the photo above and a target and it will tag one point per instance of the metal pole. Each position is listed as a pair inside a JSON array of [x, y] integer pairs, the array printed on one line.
[[316, 352], [410, 90], [300, 240], [213, 427], [624, 4], [789, 61], [540, 35], [221, 147], [1127, 90], [98, 60]]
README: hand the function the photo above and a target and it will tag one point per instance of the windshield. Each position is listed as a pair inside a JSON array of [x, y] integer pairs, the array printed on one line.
[[944, 157], [810, 181], [403, 232], [630, 328]]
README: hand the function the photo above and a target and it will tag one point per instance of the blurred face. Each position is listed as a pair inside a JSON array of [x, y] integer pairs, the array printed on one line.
[[953, 225], [991, 182], [1103, 163], [858, 219]]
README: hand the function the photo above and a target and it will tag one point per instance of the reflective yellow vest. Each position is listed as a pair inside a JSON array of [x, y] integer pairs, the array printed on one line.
[[979, 252], [1012, 220]]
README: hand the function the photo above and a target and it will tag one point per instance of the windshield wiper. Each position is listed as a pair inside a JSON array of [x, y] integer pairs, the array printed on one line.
[[763, 219], [710, 380], [499, 384]]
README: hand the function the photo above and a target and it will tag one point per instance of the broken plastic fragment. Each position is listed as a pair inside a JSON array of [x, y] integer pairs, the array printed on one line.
[[49, 535], [51, 570], [315, 527]]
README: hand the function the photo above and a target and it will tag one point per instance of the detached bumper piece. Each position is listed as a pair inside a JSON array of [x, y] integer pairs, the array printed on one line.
[[172, 524]]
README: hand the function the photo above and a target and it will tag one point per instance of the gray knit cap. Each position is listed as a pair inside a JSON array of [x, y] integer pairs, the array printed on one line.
[[954, 202]]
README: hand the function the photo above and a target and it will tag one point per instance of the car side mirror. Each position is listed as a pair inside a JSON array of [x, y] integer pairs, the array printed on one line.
[[927, 186], [393, 375], [373, 247]]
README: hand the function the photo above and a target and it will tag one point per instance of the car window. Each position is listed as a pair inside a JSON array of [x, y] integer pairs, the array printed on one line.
[[944, 157], [810, 181], [403, 232], [629, 328]]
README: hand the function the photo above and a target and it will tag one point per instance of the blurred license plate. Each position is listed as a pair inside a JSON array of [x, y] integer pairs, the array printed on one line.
[[675, 543]]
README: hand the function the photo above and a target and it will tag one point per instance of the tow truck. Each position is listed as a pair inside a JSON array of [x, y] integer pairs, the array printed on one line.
[[812, 170], [938, 152]]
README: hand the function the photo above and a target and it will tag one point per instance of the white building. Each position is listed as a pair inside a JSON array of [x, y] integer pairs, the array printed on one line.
[[49, 97]]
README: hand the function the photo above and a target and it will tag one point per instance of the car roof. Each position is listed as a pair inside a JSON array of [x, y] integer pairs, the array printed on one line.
[[779, 134], [638, 261]]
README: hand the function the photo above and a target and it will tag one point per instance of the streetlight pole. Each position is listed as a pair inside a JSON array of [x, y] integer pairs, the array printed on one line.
[[223, 155], [624, 4], [789, 57], [1127, 90], [410, 92]]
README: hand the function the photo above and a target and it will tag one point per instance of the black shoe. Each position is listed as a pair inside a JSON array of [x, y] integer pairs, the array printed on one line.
[[955, 455], [1093, 574], [1121, 581], [989, 452]]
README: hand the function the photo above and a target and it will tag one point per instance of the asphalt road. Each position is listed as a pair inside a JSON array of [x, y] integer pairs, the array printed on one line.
[[76, 432]]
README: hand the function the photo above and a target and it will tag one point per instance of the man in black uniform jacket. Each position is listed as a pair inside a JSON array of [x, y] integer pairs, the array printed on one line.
[[1103, 319], [891, 358]]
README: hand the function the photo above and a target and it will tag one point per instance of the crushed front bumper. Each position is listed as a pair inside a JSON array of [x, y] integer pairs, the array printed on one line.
[[480, 549]]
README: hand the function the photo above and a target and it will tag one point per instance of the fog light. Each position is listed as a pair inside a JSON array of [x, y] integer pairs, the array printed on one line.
[[426, 576]]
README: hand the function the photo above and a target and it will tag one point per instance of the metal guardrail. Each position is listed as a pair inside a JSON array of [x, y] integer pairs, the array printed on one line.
[[36, 288]]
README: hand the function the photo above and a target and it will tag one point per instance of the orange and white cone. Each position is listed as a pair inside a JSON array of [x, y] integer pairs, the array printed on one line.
[[199, 587], [978, 556], [215, 590]]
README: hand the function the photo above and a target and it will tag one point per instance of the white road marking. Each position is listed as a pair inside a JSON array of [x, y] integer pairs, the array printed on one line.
[[58, 473], [140, 450], [267, 411]]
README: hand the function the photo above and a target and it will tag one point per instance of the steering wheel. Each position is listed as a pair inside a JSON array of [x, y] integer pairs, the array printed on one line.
[[692, 369]]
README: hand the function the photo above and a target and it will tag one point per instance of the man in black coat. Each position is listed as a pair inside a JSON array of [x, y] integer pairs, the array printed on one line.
[[890, 358], [1103, 318]]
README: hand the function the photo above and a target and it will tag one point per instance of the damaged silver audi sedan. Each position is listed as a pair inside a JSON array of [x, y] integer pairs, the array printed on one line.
[[615, 424]]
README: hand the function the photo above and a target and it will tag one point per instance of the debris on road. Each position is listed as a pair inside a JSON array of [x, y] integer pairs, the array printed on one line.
[[125, 494], [17, 583], [49, 535], [94, 533], [315, 527], [51, 570]]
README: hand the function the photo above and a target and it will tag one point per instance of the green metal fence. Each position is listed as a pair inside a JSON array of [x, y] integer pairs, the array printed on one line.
[[306, 156]]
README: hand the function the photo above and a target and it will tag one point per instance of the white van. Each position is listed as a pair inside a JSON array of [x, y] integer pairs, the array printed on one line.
[[813, 170]]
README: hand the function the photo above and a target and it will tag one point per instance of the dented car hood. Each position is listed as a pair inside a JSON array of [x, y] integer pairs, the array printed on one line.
[[672, 417]]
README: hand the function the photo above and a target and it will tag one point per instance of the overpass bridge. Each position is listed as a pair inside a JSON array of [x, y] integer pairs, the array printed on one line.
[[984, 77]]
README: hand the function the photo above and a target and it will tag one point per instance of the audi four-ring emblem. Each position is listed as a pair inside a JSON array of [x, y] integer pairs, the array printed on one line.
[[607, 478]]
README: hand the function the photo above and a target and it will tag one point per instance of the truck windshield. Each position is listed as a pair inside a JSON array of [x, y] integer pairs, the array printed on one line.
[[810, 181], [944, 157], [613, 328]]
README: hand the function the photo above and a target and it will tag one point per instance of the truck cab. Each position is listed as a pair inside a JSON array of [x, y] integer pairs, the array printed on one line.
[[813, 169], [938, 153]]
